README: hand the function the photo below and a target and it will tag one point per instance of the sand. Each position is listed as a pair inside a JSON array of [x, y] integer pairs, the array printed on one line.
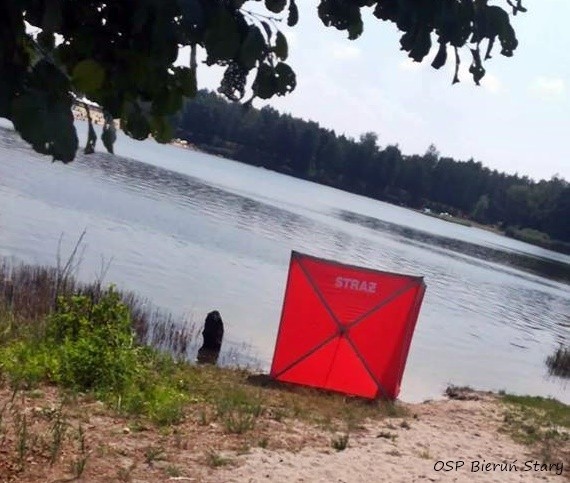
[[461, 432], [395, 449]]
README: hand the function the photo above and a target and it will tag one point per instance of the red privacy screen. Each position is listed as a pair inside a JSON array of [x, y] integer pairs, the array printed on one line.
[[346, 328]]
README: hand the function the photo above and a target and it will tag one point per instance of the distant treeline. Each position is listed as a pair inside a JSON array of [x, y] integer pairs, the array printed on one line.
[[264, 137]]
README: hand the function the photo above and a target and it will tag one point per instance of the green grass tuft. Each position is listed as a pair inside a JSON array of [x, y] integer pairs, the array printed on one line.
[[541, 423], [340, 442]]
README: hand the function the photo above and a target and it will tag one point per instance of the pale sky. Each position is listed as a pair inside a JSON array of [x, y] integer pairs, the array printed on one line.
[[517, 121]]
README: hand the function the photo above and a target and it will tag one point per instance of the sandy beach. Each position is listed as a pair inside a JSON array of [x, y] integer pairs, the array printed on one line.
[[444, 440], [464, 433]]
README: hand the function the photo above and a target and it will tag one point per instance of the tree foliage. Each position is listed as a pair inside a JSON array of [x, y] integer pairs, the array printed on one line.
[[120, 54], [304, 149]]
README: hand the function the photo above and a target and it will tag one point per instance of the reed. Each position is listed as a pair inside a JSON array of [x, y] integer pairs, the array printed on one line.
[[29, 293], [559, 362]]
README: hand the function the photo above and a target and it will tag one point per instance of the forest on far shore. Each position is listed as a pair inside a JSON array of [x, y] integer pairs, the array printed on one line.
[[535, 211]]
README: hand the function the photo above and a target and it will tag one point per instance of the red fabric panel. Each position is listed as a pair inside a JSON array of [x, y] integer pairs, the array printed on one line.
[[349, 375], [380, 338], [305, 321], [351, 292], [377, 311], [314, 370], [410, 326]]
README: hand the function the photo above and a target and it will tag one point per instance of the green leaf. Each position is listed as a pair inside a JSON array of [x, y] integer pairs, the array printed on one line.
[[355, 28], [293, 17], [267, 29], [47, 126], [88, 76], [281, 47], [6, 94], [164, 41], [167, 101], [275, 6], [162, 130], [134, 122], [476, 69], [286, 79], [141, 15], [193, 19], [421, 45], [186, 80], [270, 81], [42, 113], [264, 85], [46, 40], [253, 47], [52, 18], [233, 82], [343, 15], [441, 57], [222, 39]]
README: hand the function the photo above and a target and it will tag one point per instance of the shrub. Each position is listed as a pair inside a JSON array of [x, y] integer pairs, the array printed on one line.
[[26, 364], [94, 341], [87, 346]]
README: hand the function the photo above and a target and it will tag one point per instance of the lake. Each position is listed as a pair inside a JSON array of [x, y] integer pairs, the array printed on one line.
[[194, 232]]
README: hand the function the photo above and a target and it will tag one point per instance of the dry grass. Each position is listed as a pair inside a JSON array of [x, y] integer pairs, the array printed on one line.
[[46, 432], [29, 293], [559, 362]]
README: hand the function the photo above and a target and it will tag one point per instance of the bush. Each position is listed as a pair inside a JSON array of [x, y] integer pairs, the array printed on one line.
[[27, 364], [528, 235], [89, 345], [94, 341], [86, 346]]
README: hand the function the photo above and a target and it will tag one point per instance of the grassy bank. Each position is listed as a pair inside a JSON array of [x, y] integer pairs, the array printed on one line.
[[538, 238], [71, 353], [542, 424], [87, 338]]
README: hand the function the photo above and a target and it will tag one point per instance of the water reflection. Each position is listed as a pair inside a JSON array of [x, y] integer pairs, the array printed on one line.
[[265, 220], [537, 265]]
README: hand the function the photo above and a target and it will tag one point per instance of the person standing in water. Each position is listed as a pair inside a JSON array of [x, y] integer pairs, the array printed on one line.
[[213, 335]]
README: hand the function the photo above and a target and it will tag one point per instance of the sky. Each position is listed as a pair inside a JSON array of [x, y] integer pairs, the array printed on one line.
[[517, 121]]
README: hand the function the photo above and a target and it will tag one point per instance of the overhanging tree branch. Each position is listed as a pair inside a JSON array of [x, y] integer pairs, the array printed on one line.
[[121, 55]]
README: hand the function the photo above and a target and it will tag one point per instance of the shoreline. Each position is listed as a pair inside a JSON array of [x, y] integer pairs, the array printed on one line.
[[461, 221], [79, 114]]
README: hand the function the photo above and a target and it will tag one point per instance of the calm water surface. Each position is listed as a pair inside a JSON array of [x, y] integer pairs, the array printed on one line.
[[194, 232]]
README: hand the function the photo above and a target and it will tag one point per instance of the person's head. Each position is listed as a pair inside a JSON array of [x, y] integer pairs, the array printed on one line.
[[213, 316]]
